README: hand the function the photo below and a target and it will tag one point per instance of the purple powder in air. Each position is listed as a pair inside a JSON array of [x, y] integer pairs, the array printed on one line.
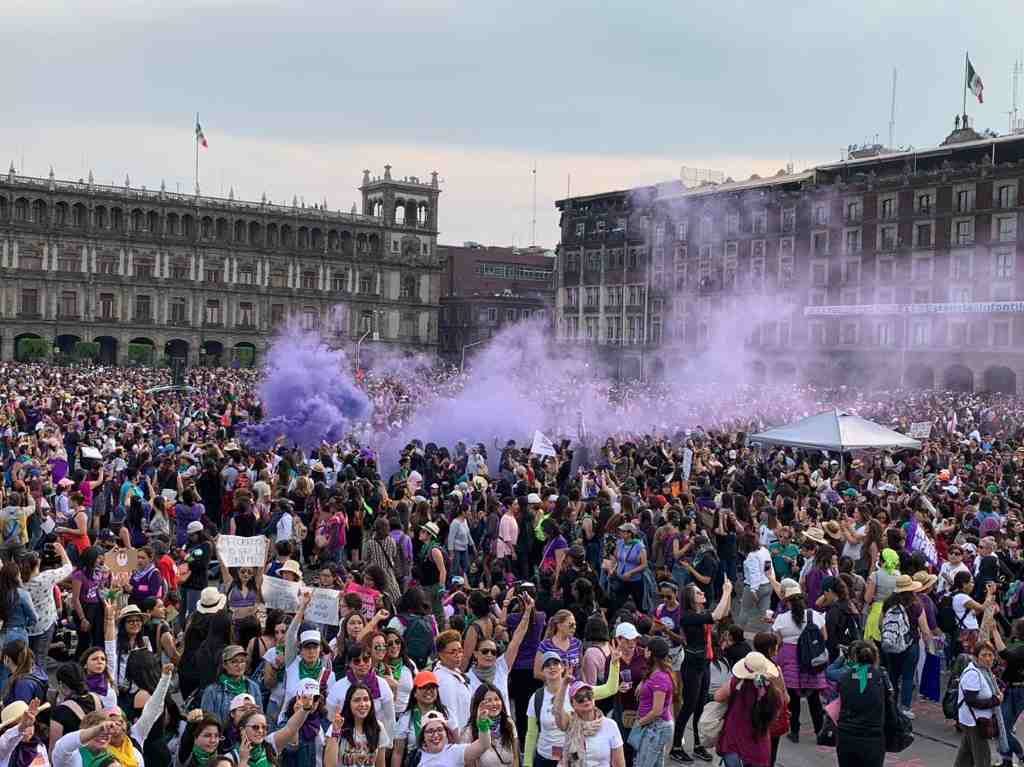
[[307, 392]]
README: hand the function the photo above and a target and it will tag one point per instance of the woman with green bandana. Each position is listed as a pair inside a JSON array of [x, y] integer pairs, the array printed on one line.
[[198, 744], [232, 681], [87, 747], [263, 747], [881, 584], [860, 731]]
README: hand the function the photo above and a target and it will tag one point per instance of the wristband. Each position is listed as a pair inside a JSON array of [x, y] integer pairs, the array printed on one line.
[[483, 725]]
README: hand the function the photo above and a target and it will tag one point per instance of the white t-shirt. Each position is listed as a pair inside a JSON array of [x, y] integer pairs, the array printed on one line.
[[284, 528], [972, 680], [789, 631], [359, 753], [454, 755], [947, 574], [500, 681], [549, 736], [852, 550], [405, 680], [964, 615]]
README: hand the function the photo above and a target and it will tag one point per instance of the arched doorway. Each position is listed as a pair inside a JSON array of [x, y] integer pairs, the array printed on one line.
[[958, 378], [243, 355], [658, 369], [758, 372], [30, 347], [919, 377], [108, 349], [141, 351], [784, 372], [210, 353], [176, 348], [1001, 379], [66, 343]]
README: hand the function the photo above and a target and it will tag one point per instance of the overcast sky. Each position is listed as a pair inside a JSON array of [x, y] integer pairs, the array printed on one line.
[[298, 98]]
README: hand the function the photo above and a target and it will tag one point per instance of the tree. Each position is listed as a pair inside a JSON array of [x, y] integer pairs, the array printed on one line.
[[86, 350], [33, 349]]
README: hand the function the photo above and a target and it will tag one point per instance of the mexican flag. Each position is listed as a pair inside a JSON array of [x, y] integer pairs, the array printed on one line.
[[200, 136], [974, 83]]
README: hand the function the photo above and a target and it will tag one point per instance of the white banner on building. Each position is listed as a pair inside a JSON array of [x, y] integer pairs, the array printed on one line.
[[280, 594], [982, 307], [238, 551], [920, 430]]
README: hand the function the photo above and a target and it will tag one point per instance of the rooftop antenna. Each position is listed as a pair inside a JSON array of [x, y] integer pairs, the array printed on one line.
[[892, 112], [533, 223], [1018, 70]]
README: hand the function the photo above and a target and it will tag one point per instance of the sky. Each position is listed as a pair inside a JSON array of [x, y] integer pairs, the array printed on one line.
[[296, 99]]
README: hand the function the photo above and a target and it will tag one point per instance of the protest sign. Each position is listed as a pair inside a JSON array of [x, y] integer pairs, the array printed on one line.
[[171, 496], [323, 607], [542, 445], [239, 551], [121, 560], [920, 430], [687, 463], [280, 594], [367, 595], [91, 453]]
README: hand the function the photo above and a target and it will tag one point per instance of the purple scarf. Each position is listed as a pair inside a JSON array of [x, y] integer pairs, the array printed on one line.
[[25, 752], [97, 683], [370, 680], [310, 728]]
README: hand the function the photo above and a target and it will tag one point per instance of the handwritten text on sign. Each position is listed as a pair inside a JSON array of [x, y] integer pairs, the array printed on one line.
[[236, 551], [323, 607], [280, 594]]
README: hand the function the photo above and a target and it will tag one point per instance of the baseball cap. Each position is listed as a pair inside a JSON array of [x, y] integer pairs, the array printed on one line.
[[244, 699], [194, 527], [626, 631], [310, 636], [533, 499], [231, 651], [549, 656], [578, 685], [425, 678]]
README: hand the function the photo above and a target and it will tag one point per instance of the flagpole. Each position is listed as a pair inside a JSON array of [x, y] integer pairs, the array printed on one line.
[[196, 137], [967, 58]]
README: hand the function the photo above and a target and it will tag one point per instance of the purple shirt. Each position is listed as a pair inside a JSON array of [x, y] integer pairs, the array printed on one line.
[[658, 681], [148, 583], [532, 640], [570, 658]]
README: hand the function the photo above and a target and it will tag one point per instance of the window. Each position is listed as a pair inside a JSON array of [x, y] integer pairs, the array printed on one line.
[[788, 219], [106, 266], [757, 249], [819, 243], [852, 241], [510, 315], [851, 272], [817, 330], [958, 335], [310, 319], [707, 228], [594, 260], [854, 210], [278, 279], [395, 245], [731, 250], [365, 321], [849, 296], [1001, 333], [407, 289], [886, 270], [923, 236], [924, 204], [888, 208], [214, 274], [179, 270], [144, 268], [732, 223], [143, 309], [612, 329], [601, 226], [683, 230], [920, 332], [816, 297], [246, 315], [68, 303], [659, 234], [821, 214], [276, 314], [1007, 228], [308, 281], [964, 200], [819, 274], [106, 306], [572, 297], [921, 269], [246, 276], [848, 333], [785, 270], [959, 294], [885, 333], [1006, 196], [592, 296], [30, 302], [212, 313], [179, 309], [960, 266], [581, 228], [964, 232], [885, 296], [365, 283], [1002, 263], [613, 296], [759, 221]]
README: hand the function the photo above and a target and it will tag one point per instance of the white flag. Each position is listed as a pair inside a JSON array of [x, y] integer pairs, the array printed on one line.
[[542, 445]]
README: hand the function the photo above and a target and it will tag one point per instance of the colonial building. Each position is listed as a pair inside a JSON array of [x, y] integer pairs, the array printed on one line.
[[487, 287], [150, 275], [888, 268]]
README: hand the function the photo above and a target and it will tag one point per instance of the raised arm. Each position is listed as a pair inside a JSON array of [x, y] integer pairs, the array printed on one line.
[[291, 637], [287, 734], [558, 707], [154, 706], [512, 651], [477, 748], [725, 603]]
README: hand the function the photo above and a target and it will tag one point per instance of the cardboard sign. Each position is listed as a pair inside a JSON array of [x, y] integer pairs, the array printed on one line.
[[920, 430], [542, 445], [171, 496], [323, 607], [121, 560], [90, 452], [687, 463], [280, 594], [238, 551], [367, 595]]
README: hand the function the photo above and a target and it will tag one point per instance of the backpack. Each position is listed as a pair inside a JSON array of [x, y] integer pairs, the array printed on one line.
[[270, 529], [945, 615], [895, 630], [418, 638], [811, 650], [848, 628]]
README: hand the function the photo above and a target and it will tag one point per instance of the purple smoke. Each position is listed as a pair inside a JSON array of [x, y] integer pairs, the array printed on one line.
[[308, 393]]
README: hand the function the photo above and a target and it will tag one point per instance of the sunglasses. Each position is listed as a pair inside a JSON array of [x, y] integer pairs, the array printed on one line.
[[583, 697], [257, 727], [394, 643], [488, 651]]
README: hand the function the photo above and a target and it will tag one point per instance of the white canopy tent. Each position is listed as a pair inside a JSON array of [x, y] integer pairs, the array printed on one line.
[[836, 431]]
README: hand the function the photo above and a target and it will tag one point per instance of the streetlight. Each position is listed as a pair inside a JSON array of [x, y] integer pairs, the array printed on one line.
[[359, 343], [462, 365]]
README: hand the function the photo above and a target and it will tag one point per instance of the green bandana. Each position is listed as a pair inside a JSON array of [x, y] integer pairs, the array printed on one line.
[[396, 667], [258, 756], [860, 670], [200, 757], [234, 686], [90, 757], [310, 672]]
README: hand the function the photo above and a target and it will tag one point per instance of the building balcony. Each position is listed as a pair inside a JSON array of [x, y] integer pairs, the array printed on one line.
[[591, 309], [179, 322], [30, 315]]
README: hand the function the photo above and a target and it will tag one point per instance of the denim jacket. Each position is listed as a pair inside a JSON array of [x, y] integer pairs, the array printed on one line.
[[22, 615]]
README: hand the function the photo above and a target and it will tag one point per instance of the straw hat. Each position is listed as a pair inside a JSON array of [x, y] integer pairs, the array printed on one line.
[[832, 528], [293, 567], [13, 712], [905, 583], [754, 664], [815, 534], [926, 579], [790, 588]]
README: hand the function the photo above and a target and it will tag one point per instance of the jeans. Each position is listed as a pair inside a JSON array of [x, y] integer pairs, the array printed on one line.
[[650, 741], [753, 605], [460, 562], [40, 645], [902, 668], [681, 576], [1013, 707], [732, 760]]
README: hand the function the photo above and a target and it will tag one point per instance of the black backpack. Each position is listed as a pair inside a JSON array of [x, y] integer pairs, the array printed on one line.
[[418, 637], [811, 650], [848, 628], [946, 618]]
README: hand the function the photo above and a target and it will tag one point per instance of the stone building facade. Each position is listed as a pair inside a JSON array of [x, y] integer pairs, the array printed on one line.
[[209, 279], [888, 269]]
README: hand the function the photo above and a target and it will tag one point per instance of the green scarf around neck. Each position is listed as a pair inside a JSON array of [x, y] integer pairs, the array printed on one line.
[[199, 757], [258, 756], [234, 686], [310, 672], [90, 757], [860, 670]]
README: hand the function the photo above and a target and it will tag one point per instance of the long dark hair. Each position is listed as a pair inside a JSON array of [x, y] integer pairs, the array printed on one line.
[[371, 727], [23, 659], [10, 580], [797, 609], [763, 712], [505, 729]]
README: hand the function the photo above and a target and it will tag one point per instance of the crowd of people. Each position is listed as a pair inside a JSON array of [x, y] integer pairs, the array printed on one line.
[[658, 597]]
